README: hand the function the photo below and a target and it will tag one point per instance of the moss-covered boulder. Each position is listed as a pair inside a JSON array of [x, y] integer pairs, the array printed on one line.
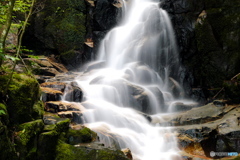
[[26, 139], [22, 98], [47, 145], [66, 151], [83, 135]]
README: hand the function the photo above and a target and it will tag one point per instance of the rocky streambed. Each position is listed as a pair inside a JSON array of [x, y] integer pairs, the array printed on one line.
[[200, 130]]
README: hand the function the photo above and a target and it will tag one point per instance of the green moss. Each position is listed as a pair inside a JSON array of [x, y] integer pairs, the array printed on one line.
[[26, 138], [47, 145], [68, 152], [49, 127], [63, 125], [83, 135], [68, 56], [23, 93], [38, 110], [68, 18], [7, 149], [29, 130]]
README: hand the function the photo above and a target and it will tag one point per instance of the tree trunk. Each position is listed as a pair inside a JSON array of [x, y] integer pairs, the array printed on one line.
[[8, 26]]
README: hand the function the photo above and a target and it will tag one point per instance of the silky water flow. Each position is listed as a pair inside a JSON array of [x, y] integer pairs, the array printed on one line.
[[138, 56]]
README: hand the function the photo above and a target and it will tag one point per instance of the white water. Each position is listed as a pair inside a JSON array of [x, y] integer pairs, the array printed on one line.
[[142, 46]]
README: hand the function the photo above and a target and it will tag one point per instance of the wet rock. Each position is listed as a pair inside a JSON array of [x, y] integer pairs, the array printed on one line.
[[127, 153], [49, 94], [95, 65], [73, 93], [58, 106], [60, 86], [220, 103], [74, 116]]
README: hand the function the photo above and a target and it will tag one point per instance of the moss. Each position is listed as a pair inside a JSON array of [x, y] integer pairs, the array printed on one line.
[[83, 135], [63, 125], [26, 137], [68, 56], [7, 149], [50, 127], [23, 93], [38, 110], [68, 152], [68, 19], [47, 145]]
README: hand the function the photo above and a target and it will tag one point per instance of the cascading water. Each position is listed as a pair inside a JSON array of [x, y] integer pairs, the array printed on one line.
[[138, 56]]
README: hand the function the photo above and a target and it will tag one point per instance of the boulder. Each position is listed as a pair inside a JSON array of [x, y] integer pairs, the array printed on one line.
[[73, 93], [60, 86], [23, 92], [49, 94], [58, 106]]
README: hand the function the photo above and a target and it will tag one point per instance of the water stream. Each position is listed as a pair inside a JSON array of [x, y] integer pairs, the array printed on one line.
[[137, 58]]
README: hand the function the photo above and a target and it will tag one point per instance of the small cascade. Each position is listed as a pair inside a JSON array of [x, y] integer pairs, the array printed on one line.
[[132, 78]]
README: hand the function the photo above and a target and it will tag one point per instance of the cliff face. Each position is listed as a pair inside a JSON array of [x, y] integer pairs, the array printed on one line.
[[207, 33]]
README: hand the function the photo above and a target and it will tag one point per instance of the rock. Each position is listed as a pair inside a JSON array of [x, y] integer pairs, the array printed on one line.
[[60, 86], [232, 89], [220, 103], [46, 145], [73, 93], [74, 116], [49, 94], [127, 152], [57, 27], [86, 152], [26, 138], [94, 65], [84, 135], [58, 106], [207, 128], [22, 94], [6, 147]]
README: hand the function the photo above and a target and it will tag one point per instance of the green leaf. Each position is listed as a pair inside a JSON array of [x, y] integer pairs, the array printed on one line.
[[2, 112], [11, 57], [32, 56]]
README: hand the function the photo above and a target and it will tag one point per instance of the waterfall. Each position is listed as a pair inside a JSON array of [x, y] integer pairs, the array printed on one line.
[[131, 78]]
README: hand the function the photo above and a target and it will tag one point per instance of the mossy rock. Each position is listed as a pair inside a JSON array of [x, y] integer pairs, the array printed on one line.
[[7, 149], [22, 94], [26, 138], [58, 27], [47, 145], [38, 110], [83, 135], [63, 125], [66, 151]]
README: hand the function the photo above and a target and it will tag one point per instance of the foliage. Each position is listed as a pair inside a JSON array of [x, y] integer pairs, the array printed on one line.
[[7, 8], [2, 112]]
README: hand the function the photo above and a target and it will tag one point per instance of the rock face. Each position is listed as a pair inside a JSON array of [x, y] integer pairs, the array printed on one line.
[[213, 127], [68, 28], [208, 36]]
